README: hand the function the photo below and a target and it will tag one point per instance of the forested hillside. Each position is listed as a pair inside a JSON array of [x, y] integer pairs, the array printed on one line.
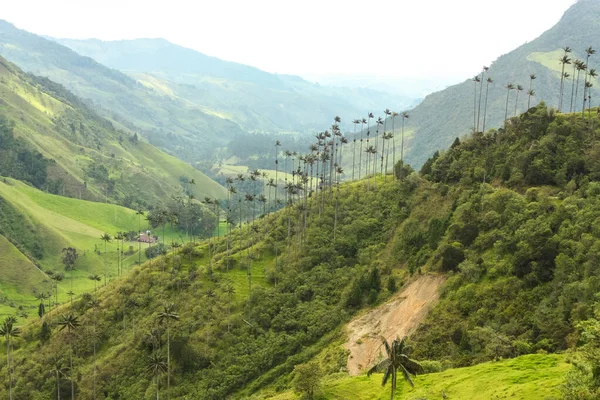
[[509, 216], [52, 140]]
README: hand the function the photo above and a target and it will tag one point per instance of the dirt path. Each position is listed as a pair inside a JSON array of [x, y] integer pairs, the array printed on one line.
[[398, 317]]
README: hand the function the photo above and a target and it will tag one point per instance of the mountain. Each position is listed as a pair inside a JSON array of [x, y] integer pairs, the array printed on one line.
[[447, 114], [517, 257], [57, 143], [254, 99], [169, 123]]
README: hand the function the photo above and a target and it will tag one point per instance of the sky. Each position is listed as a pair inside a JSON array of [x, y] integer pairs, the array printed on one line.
[[447, 39]]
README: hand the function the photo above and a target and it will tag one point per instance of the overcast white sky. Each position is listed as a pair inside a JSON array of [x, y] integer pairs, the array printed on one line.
[[417, 38]]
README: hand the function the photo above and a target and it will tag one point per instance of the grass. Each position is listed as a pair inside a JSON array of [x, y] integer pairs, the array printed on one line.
[[528, 377], [66, 222]]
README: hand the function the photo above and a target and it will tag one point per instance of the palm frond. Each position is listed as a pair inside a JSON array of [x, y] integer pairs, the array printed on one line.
[[380, 367], [406, 375]]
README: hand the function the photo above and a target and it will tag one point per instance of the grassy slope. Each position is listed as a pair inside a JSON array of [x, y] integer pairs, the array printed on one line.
[[67, 222], [140, 169], [530, 377], [20, 278]]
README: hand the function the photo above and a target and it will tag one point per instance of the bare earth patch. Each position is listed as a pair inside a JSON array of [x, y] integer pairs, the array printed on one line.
[[400, 317]]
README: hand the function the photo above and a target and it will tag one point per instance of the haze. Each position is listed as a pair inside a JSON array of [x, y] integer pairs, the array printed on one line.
[[439, 40]]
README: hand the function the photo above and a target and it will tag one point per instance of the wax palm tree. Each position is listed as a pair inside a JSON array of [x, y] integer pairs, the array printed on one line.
[[405, 116], [96, 278], [355, 122], [119, 237], [476, 80], [70, 323], [9, 331], [531, 93], [589, 52], [370, 116], [519, 90], [156, 367], [57, 370], [41, 308], [363, 121], [483, 71], [487, 89], [397, 359], [94, 303], [564, 60], [106, 239], [166, 315], [579, 66], [387, 114], [508, 87], [532, 78], [394, 115], [589, 86], [71, 293]]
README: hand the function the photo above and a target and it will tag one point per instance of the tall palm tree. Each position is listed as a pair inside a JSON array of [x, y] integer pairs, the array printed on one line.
[[58, 370], [404, 117], [70, 323], [362, 124], [508, 87], [370, 116], [387, 114], [564, 60], [355, 122], [476, 80], [487, 89], [94, 303], [119, 237], [532, 78], [394, 115], [139, 213], [397, 359], [106, 239], [9, 331], [589, 52], [483, 71], [166, 315], [531, 93], [579, 66], [156, 367], [519, 90], [588, 86]]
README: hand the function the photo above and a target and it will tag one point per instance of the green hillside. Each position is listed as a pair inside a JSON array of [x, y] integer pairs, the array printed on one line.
[[447, 114], [42, 224], [522, 378], [85, 156], [169, 123], [519, 252]]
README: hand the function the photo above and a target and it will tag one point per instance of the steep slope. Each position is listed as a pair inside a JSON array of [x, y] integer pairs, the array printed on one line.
[[520, 252], [85, 156], [254, 99], [447, 114], [171, 124]]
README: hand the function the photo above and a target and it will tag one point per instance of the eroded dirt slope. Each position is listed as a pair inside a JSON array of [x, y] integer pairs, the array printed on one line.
[[400, 316]]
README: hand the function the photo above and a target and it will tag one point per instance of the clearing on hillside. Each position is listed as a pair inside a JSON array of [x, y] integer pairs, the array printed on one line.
[[398, 317]]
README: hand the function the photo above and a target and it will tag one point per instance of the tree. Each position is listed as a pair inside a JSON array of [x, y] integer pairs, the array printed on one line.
[[70, 323], [362, 124], [579, 66], [405, 116], [166, 315], [589, 52], [564, 60], [355, 122], [508, 87], [156, 367], [368, 150], [397, 359], [69, 257], [476, 80], [9, 331], [519, 90], [96, 278], [487, 88], [307, 378], [119, 237], [106, 239], [94, 303], [532, 78], [483, 71]]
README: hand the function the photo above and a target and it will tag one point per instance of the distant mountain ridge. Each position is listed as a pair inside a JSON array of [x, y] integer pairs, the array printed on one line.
[[447, 114]]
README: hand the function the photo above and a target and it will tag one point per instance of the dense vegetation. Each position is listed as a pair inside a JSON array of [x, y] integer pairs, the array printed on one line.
[[520, 251]]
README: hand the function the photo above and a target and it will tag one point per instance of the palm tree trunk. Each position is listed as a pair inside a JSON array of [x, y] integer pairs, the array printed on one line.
[[104, 263], [487, 88], [168, 360], [506, 109], [474, 106], [562, 79], [8, 367], [354, 152], [71, 366], [573, 88], [361, 149], [577, 85], [402, 142], [587, 64], [516, 102], [94, 355]]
